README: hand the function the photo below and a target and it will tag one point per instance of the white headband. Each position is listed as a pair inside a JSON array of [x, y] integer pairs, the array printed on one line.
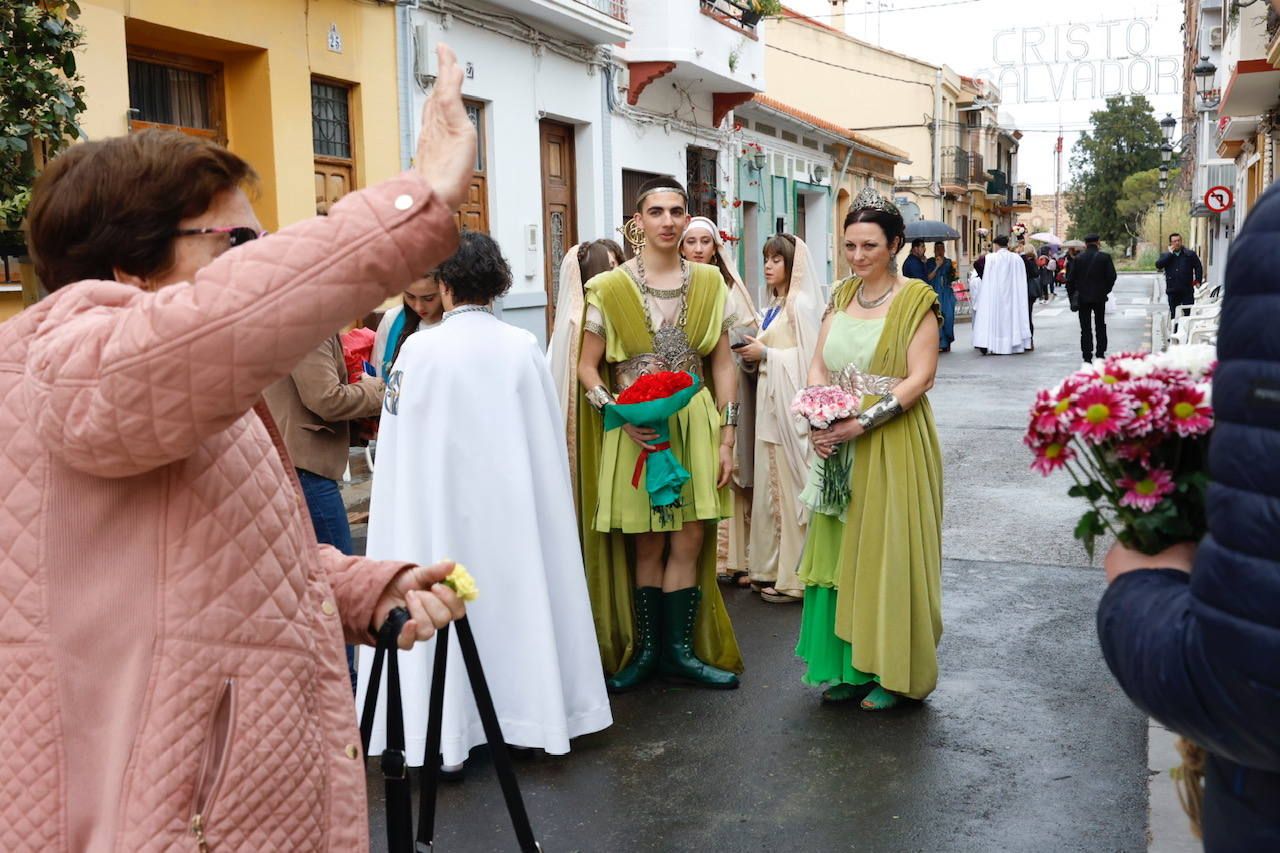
[[702, 222]]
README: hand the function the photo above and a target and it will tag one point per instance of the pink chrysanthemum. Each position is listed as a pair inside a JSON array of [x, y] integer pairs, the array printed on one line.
[[1137, 449], [1100, 412], [1044, 414], [1052, 452], [1111, 373], [1146, 493], [1150, 406], [1189, 412]]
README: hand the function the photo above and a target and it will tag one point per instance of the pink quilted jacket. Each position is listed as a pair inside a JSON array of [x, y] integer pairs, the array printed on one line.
[[171, 664]]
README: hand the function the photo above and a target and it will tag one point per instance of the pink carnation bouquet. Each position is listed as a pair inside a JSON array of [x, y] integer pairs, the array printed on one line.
[[1132, 430], [821, 406]]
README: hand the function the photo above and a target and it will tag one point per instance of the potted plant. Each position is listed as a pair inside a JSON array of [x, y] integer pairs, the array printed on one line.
[[758, 9], [41, 100]]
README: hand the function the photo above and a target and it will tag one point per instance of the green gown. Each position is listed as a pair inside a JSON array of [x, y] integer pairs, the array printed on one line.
[[873, 584], [609, 506]]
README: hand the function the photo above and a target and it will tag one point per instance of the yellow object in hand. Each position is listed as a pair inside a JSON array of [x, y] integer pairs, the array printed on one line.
[[461, 582]]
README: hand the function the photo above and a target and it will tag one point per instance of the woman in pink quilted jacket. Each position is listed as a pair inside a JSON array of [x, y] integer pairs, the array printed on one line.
[[171, 666]]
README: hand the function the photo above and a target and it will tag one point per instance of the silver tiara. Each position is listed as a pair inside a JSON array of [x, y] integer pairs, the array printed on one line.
[[640, 198], [868, 198]]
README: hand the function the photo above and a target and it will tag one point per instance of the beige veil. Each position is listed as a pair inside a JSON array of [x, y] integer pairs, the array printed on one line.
[[566, 334]]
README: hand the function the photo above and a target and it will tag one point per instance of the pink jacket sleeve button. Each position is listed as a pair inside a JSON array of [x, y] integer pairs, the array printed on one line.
[[403, 202], [327, 608]]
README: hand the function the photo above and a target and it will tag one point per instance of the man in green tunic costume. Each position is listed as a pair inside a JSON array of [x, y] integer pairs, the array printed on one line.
[[651, 575]]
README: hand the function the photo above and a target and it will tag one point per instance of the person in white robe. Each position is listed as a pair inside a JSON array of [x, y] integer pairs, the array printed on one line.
[[472, 467], [1001, 311], [782, 353]]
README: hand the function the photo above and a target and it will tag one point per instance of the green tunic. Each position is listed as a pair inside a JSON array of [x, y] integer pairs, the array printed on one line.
[[609, 506], [873, 594]]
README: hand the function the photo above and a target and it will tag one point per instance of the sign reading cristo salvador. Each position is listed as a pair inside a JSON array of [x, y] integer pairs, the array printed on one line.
[[1080, 62]]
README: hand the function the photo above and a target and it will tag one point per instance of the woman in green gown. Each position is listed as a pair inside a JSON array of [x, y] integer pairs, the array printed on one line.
[[873, 572]]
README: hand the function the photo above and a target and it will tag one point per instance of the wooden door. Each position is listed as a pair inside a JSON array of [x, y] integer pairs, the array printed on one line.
[[333, 181], [559, 213], [473, 214]]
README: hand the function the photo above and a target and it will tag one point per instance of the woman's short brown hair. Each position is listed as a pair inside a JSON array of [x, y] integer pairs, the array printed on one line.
[[781, 244], [115, 203]]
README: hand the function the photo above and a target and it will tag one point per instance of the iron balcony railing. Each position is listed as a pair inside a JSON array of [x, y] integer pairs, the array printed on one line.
[[616, 9], [742, 11], [998, 186]]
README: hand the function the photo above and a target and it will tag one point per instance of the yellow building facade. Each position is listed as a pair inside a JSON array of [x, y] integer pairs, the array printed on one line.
[[255, 73], [304, 90]]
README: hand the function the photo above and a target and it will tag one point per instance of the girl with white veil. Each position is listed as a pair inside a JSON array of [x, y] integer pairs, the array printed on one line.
[[582, 262], [782, 353], [702, 244]]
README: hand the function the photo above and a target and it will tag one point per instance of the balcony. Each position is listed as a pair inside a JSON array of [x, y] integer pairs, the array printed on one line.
[[589, 21], [956, 169], [705, 45], [998, 187], [1021, 196]]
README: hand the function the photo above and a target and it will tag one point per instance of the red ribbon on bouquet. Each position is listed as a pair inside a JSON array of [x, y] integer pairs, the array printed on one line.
[[644, 454]]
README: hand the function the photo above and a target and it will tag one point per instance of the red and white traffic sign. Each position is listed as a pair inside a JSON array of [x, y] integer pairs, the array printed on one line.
[[1219, 199]]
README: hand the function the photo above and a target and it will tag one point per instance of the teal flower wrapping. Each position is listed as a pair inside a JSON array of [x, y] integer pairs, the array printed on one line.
[[664, 476]]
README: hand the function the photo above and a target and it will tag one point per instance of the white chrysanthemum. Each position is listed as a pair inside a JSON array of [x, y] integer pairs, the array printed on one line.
[[1194, 359], [1136, 367]]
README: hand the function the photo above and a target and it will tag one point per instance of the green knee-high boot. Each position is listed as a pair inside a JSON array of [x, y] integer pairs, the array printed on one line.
[[644, 660], [679, 609]]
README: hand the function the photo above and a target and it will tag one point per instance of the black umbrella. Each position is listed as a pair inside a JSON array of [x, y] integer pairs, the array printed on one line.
[[931, 229]]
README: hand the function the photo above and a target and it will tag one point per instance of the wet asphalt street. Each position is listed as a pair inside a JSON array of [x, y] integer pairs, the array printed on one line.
[[1026, 745]]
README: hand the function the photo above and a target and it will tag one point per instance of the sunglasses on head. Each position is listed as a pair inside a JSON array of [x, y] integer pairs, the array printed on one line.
[[238, 234]]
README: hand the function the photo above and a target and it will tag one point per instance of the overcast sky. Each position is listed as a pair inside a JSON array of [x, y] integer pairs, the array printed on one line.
[[1055, 61]]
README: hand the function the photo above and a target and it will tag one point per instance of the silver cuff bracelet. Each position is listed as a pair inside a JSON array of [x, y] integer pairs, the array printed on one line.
[[732, 413], [599, 397], [886, 410]]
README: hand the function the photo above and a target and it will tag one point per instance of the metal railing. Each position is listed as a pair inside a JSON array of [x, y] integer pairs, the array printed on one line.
[[999, 184], [955, 165], [741, 11], [616, 9]]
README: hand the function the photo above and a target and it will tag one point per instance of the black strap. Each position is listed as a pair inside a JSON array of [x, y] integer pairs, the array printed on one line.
[[395, 775], [431, 762]]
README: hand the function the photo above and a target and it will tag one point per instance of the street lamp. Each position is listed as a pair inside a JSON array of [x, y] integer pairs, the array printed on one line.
[[1166, 153], [1204, 72], [1167, 124]]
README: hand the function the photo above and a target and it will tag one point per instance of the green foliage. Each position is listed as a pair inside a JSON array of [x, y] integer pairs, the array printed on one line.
[[767, 7], [1138, 196], [41, 98], [1177, 217], [1125, 140]]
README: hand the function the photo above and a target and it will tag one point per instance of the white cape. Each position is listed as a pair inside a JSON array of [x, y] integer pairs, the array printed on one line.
[[1001, 322], [472, 467]]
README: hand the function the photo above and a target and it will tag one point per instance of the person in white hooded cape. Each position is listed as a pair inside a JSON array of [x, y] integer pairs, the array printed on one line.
[[472, 467], [1001, 320]]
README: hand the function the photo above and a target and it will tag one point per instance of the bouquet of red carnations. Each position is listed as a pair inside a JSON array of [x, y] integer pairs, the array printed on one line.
[[821, 406], [650, 402], [1133, 432]]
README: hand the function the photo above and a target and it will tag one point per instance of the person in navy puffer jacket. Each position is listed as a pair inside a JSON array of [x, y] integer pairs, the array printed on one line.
[[1193, 634]]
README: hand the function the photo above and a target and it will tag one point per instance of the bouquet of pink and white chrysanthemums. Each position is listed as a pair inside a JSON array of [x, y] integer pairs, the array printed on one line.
[[822, 406], [1133, 431]]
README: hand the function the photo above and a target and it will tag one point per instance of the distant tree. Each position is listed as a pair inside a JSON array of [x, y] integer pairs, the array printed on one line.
[[1138, 196], [1125, 139]]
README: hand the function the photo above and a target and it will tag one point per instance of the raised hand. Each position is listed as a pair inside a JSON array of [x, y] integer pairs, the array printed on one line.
[[447, 140]]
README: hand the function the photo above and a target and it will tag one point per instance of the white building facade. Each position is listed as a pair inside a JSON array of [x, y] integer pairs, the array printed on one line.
[[578, 102]]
